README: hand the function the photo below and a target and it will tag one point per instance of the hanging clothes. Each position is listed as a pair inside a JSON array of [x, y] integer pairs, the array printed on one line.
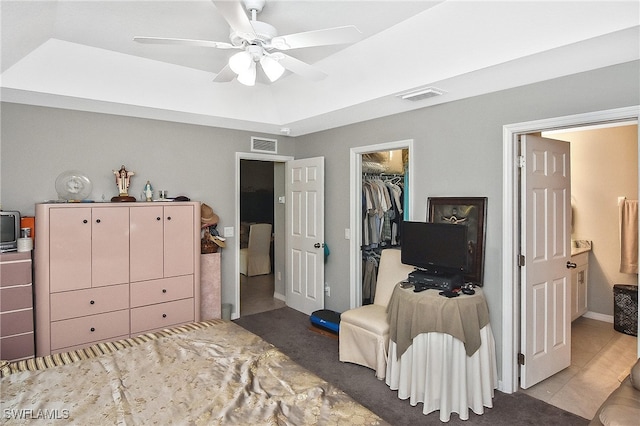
[[382, 201], [370, 260]]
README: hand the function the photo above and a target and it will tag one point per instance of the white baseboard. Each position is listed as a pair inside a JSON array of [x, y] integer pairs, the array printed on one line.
[[599, 317], [284, 299]]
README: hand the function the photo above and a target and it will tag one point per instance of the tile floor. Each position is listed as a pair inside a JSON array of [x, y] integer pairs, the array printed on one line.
[[600, 359], [256, 295]]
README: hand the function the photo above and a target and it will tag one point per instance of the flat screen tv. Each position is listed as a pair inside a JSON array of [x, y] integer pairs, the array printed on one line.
[[437, 248]]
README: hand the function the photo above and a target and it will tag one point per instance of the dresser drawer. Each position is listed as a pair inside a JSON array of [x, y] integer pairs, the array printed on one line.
[[162, 315], [14, 298], [80, 303], [15, 273], [17, 347], [162, 290], [16, 322], [78, 331]]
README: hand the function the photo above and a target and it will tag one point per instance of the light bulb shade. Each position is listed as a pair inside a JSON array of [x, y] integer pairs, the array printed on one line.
[[240, 62], [248, 78], [271, 68]]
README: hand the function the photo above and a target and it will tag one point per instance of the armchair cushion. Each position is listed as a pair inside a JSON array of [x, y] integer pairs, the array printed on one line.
[[622, 407], [369, 317]]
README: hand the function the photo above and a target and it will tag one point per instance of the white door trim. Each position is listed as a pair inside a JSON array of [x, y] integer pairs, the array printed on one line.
[[510, 221], [236, 252], [355, 208]]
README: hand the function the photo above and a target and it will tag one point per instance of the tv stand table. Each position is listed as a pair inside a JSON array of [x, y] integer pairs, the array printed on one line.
[[441, 351]]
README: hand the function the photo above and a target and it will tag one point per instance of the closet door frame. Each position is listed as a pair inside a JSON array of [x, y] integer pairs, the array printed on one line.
[[354, 234]]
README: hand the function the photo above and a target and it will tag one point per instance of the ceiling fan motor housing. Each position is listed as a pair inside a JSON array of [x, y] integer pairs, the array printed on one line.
[[263, 31]]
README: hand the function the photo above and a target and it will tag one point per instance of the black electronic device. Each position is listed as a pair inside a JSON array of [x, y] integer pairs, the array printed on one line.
[[441, 281], [469, 291], [439, 251]]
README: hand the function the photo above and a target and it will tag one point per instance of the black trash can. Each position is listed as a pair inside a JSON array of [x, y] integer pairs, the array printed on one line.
[[625, 309]]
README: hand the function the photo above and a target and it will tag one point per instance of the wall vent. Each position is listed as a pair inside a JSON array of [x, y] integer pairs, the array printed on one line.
[[264, 145], [419, 94]]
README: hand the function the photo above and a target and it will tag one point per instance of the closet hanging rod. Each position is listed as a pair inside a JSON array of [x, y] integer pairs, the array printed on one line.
[[383, 175]]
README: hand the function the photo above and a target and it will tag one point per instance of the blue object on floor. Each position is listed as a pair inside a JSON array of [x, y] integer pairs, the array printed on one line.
[[327, 319]]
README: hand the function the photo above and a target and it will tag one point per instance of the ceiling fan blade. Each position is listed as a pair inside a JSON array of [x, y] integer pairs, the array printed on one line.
[[236, 17], [296, 66], [225, 75], [184, 42], [337, 35]]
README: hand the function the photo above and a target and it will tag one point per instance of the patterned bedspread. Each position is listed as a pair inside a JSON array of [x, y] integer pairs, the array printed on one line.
[[208, 373]]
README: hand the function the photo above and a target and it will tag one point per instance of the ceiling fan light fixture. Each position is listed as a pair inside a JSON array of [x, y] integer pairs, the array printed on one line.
[[271, 68], [240, 62], [248, 78]]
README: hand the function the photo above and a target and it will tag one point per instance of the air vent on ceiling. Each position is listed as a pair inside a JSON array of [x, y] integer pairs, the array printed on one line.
[[419, 94], [264, 145]]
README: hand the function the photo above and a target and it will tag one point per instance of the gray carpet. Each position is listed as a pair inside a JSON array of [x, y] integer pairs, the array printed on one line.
[[288, 330]]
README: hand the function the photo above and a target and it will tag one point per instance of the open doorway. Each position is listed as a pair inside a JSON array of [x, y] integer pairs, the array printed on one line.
[[359, 168], [511, 224], [604, 167], [256, 237], [260, 192]]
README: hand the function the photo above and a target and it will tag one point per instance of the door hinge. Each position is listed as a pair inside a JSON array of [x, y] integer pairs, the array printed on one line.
[[521, 161], [520, 359], [521, 260]]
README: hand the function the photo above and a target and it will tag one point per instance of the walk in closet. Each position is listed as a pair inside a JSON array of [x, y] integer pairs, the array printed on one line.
[[384, 195]]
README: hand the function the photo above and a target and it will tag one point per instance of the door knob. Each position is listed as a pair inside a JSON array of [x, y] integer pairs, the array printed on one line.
[[318, 245], [571, 265]]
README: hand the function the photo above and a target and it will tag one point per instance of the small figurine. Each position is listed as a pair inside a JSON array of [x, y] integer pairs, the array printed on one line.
[[123, 176], [148, 191]]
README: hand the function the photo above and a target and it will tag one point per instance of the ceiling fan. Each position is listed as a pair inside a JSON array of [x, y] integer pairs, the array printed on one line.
[[259, 43]]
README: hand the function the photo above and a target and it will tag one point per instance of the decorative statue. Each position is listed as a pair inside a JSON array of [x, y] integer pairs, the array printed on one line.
[[123, 177], [148, 191]]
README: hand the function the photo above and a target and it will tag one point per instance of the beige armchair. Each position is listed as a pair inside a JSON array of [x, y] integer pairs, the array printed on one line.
[[256, 258], [364, 331]]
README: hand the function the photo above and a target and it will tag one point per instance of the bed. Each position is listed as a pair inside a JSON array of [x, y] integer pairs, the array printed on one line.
[[210, 372]]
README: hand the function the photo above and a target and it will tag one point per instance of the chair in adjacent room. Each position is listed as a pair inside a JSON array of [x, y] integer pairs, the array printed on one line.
[[256, 258], [364, 331]]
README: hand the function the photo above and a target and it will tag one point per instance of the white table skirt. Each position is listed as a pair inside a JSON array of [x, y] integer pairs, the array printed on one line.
[[436, 371]]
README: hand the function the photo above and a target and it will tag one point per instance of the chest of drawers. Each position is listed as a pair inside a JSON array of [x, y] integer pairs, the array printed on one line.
[[108, 271], [16, 306]]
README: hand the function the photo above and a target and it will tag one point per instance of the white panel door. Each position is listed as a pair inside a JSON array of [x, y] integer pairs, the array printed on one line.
[[546, 278], [305, 234]]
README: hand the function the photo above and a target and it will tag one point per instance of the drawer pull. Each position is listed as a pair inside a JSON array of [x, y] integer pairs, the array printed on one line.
[[168, 217], [93, 329], [164, 315], [164, 290], [92, 302], [85, 221], [158, 218], [97, 220]]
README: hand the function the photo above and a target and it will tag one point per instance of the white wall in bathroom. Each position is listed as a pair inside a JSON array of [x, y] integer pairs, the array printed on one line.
[[604, 166]]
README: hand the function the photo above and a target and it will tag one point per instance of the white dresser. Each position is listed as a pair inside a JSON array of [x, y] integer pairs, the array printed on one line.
[[107, 271]]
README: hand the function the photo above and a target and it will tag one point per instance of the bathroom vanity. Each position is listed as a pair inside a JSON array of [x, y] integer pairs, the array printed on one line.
[[579, 277]]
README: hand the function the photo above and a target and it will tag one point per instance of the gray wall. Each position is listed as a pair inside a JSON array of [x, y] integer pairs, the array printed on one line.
[[458, 152], [40, 143]]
